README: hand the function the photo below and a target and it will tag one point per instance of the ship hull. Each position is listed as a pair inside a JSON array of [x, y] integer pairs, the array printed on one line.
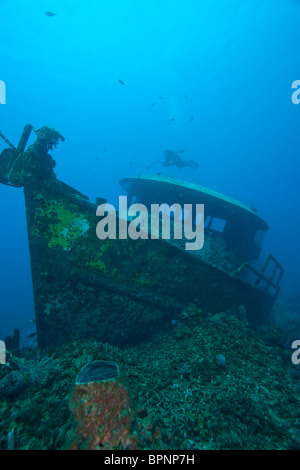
[[116, 291]]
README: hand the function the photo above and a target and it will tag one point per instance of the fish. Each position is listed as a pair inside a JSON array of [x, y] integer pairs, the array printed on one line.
[[153, 104], [185, 96], [121, 82], [49, 13], [161, 98], [173, 119], [191, 117], [181, 151], [31, 335]]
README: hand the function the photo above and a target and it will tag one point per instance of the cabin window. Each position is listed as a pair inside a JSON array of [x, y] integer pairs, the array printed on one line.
[[207, 221], [259, 237], [217, 224]]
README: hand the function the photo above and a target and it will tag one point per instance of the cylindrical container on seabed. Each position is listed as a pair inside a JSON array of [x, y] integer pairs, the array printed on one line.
[[101, 408]]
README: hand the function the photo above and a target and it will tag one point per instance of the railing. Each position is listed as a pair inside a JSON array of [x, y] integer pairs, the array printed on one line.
[[270, 280]]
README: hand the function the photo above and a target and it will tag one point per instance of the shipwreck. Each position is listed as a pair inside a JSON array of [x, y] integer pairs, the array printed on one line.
[[123, 291]]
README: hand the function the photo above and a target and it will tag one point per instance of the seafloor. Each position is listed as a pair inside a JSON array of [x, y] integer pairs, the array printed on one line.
[[211, 382]]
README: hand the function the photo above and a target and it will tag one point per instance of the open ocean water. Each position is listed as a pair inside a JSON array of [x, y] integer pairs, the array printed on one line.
[[125, 81]]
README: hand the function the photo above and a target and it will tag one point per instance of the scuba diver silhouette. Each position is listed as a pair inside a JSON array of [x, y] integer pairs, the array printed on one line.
[[173, 159]]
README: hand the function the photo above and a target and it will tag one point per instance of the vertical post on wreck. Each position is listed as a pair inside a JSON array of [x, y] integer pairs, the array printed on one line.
[[24, 138]]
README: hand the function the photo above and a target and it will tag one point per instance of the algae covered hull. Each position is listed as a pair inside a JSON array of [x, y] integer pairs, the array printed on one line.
[[116, 291]]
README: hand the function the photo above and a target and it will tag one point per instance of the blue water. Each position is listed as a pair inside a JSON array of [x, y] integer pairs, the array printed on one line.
[[229, 64]]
